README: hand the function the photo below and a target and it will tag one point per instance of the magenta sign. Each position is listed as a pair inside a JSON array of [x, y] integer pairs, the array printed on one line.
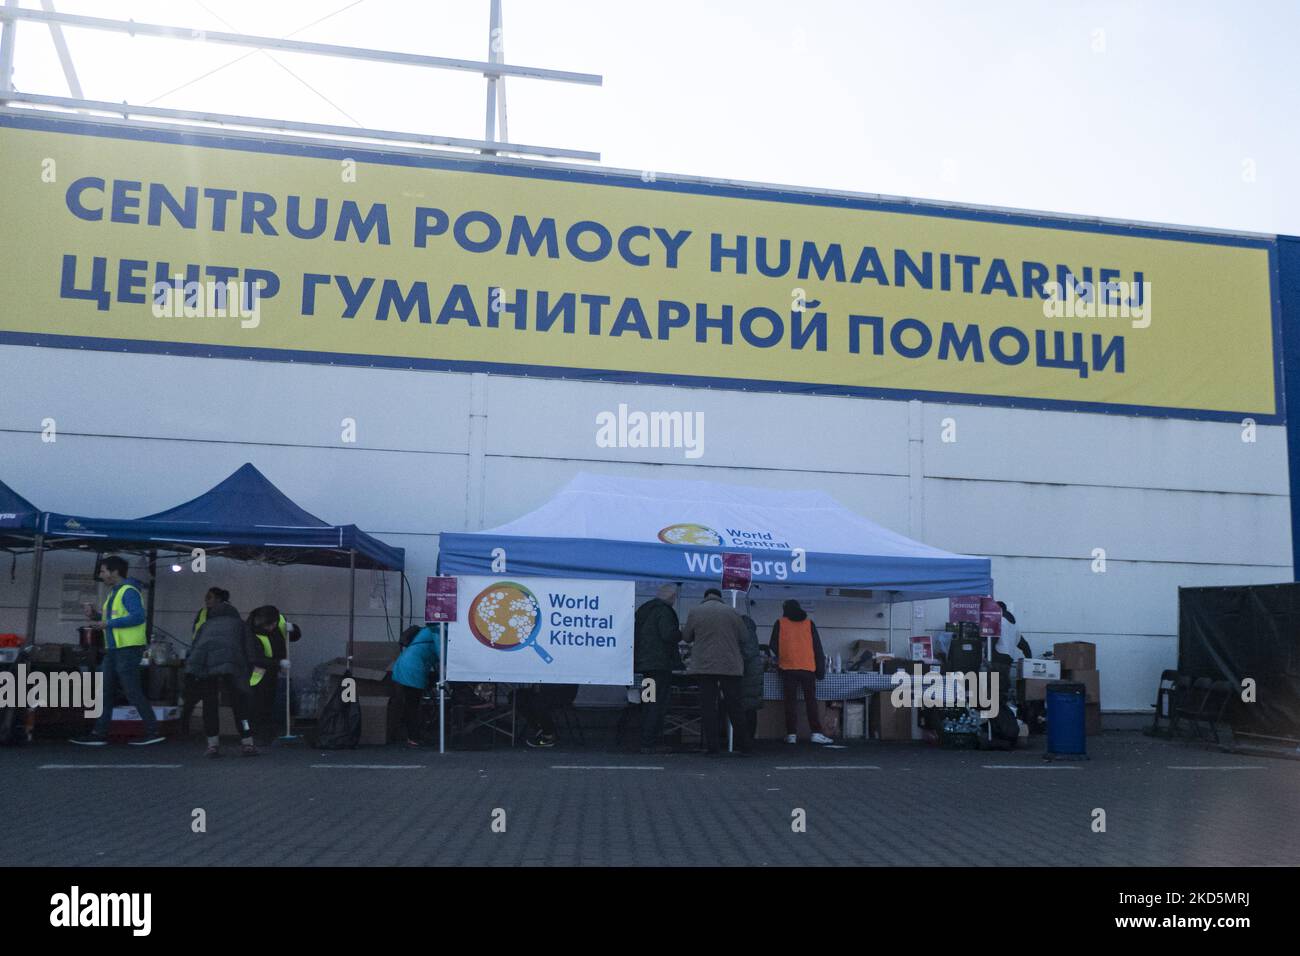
[[737, 571], [439, 599], [990, 618], [965, 609]]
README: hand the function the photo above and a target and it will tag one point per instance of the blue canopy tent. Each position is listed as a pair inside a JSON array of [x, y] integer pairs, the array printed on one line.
[[244, 517], [652, 530], [19, 519], [20, 530]]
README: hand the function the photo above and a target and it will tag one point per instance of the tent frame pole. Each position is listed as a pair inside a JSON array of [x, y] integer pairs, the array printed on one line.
[[442, 689], [153, 586], [891, 622], [401, 602], [34, 603], [352, 600]]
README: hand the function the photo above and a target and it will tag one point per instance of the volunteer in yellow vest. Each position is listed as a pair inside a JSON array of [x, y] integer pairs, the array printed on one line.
[[122, 620], [273, 634], [798, 650]]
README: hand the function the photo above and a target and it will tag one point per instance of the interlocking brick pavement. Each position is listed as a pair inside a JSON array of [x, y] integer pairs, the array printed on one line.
[[299, 807]]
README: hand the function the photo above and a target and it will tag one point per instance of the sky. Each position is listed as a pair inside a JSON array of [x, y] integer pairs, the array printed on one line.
[[1160, 111]]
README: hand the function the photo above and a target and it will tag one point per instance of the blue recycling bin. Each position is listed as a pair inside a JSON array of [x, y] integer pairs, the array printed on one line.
[[1066, 732]]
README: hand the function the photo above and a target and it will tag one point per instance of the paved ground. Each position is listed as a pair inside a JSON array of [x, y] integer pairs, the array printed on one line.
[[869, 804]]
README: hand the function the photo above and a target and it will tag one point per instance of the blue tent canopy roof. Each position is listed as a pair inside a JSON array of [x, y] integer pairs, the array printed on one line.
[[18, 518], [243, 516]]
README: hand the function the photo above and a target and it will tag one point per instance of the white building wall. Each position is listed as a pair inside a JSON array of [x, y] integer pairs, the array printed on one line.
[[1172, 503]]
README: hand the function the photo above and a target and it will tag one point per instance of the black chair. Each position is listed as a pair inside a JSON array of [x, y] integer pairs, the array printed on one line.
[[1165, 703], [1217, 702], [1195, 704], [1179, 696]]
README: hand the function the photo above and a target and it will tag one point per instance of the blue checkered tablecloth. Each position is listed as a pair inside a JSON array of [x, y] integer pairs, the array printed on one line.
[[846, 686]]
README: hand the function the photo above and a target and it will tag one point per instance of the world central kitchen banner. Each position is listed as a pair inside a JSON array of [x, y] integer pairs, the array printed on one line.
[[542, 630], [132, 239]]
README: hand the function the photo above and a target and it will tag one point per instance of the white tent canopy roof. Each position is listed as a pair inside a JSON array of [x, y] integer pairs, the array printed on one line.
[[674, 530]]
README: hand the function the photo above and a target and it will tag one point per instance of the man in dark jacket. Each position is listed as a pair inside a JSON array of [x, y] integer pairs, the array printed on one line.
[[655, 657], [220, 660], [716, 632]]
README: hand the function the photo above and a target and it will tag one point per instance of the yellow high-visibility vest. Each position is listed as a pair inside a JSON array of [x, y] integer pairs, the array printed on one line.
[[115, 606]]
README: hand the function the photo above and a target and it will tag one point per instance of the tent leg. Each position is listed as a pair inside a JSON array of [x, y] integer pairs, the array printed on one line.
[[891, 624], [38, 558], [731, 730], [153, 586], [442, 691], [401, 602], [352, 600]]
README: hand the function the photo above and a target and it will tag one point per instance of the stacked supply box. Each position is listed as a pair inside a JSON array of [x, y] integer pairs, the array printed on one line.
[[1079, 665]]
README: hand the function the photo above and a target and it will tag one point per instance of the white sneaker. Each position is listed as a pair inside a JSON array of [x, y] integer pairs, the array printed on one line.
[[791, 739], [820, 739]]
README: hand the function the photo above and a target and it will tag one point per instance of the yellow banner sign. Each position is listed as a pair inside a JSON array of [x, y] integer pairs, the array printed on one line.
[[202, 245]]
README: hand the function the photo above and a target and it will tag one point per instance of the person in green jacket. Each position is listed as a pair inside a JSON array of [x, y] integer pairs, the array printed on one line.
[[655, 657]]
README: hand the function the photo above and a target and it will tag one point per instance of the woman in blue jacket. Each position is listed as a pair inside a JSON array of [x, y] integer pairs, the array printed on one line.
[[411, 672]]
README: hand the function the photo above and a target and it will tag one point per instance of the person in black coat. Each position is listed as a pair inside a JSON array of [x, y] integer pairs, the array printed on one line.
[[655, 657], [220, 660]]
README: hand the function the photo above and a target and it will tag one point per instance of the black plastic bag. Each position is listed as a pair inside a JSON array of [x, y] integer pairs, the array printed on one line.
[[339, 725]]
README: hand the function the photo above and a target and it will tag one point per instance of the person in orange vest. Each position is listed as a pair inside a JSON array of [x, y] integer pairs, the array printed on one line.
[[797, 647]]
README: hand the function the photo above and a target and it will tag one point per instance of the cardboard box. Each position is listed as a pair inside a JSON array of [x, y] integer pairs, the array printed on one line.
[[889, 722], [861, 652], [377, 723], [127, 723], [159, 711], [1039, 668], [1033, 688], [126, 729], [375, 652], [855, 720], [1076, 655], [1091, 719], [371, 676], [1090, 680]]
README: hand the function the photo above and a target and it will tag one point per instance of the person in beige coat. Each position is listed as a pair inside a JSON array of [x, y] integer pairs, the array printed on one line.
[[715, 632]]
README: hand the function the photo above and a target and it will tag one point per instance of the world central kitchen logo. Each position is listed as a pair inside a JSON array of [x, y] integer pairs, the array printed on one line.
[[705, 563], [508, 617], [703, 536]]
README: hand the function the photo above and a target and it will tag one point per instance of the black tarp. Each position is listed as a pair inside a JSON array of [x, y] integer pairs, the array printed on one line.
[[1252, 631]]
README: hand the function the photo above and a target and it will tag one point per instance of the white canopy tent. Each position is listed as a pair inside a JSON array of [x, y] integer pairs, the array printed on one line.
[[646, 530]]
